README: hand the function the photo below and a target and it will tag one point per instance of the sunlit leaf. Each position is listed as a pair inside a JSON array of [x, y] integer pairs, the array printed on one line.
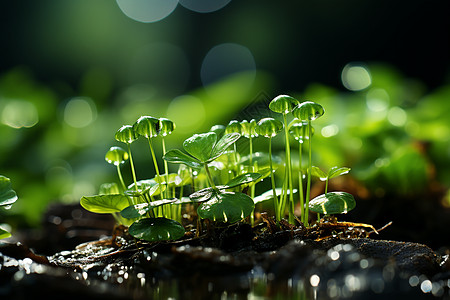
[[156, 229], [145, 186], [201, 145], [116, 156], [7, 195], [166, 126], [147, 126], [242, 179], [268, 195], [283, 104], [233, 127], [335, 171], [104, 204], [4, 234], [126, 134], [269, 127], [226, 207], [333, 203], [203, 194], [222, 145], [308, 111], [110, 188], [317, 172], [176, 156], [138, 210]]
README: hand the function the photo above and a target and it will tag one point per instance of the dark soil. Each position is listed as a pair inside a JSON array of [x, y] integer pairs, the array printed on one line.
[[236, 262]]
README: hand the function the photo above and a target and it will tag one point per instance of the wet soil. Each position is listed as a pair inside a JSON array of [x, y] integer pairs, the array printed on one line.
[[231, 262]]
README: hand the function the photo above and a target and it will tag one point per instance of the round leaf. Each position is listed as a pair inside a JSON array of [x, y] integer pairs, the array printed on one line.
[[138, 210], [226, 207], [201, 145], [166, 126], [248, 129], [269, 127], [126, 134], [149, 186], [308, 111], [7, 195], [156, 229], [147, 126], [335, 171], [116, 156], [104, 204], [299, 130], [233, 127], [283, 104], [333, 203]]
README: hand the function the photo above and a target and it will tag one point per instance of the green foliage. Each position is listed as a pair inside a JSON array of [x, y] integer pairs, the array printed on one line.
[[332, 203], [156, 229], [104, 204], [226, 207], [116, 156], [7, 195]]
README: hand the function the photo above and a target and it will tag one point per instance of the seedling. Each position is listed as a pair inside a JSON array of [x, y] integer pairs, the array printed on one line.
[[216, 203], [269, 128], [153, 206], [7, 197], [299, 130], [308, 111], [284, 104], [117, 156]]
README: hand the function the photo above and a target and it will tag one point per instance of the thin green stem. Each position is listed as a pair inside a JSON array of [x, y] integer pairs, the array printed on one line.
[[300, 182], [121, 178], [211, 182], [132, 168], [155, 163], [272, 179], [308, 187], [326, 186], [289, 172], [166, 167], [236, 167]]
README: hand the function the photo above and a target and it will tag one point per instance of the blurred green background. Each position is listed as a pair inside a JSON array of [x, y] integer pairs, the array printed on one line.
[[73, 72]]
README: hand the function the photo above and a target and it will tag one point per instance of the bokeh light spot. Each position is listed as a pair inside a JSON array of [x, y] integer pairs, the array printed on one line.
[[19, 114], [330, 130], [204, 6], [397, 116], [227, 59], [80, 112], [314, 280], [356, 77], [377, 100], [187, 112], [147, 11]]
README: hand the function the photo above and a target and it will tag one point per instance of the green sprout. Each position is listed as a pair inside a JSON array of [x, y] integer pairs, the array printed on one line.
[[284, 104], [269, 128], [153, 206], [7, 197], [127, 135], [299, 130], [308, 111], [217, 204], [117, 156]]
